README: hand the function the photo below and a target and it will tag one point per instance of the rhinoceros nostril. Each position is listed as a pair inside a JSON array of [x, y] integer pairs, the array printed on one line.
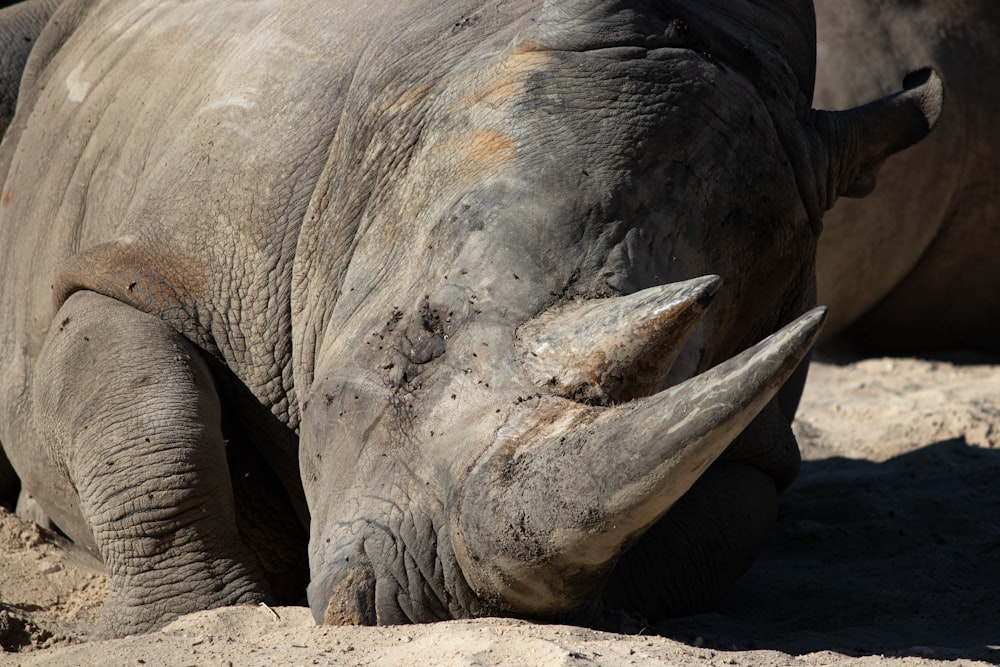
[[345, 596]]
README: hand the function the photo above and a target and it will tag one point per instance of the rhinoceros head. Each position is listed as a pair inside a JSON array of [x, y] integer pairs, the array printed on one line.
[[527, 213]]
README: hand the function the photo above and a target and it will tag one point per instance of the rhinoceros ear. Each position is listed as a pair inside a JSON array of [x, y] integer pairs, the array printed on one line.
[[859, 140]]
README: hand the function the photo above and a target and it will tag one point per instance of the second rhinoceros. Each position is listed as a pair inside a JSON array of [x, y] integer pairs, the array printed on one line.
[[914, 268], [421, 283]]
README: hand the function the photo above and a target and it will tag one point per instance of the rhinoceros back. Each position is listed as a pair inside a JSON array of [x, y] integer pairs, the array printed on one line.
[[177, 190]]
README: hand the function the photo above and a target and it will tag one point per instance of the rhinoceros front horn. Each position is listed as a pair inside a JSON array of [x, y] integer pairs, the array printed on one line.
[[612, 350], [547, 509]]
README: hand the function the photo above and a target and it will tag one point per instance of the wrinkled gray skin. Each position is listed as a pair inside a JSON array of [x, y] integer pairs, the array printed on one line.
[[22, 24], [273, 269], [914, 267]]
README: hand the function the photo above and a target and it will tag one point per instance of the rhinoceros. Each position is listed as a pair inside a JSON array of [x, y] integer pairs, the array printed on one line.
[[418, 290], [915, 266]]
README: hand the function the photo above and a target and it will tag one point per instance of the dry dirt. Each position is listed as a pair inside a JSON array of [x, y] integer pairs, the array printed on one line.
[[887, 553]]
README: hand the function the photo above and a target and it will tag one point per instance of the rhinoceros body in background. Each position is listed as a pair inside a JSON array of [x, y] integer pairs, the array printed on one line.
[[915, 266], [406, 280]]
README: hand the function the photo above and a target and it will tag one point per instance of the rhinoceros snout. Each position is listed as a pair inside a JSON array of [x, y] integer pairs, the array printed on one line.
[[534, 523]]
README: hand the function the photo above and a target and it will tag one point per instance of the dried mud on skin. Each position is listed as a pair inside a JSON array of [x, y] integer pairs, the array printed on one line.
[[887, 552]]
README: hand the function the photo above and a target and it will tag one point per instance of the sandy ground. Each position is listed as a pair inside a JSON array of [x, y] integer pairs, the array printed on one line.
[[887, 553]]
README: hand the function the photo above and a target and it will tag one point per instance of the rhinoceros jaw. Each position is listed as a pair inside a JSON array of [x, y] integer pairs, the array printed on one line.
[[613, 350], [542, 518]]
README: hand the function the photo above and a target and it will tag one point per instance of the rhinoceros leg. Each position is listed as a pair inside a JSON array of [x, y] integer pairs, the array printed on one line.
[[266, 521], [130, 410]]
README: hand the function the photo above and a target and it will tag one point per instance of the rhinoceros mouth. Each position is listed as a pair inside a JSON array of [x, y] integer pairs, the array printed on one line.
[[558, 497]]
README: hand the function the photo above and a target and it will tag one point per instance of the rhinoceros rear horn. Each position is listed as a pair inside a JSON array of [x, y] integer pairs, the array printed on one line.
[[545, 512], [859, 140], [616, 349]]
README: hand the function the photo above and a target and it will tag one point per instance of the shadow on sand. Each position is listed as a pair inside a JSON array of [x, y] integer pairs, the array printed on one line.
[[895, 558]]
